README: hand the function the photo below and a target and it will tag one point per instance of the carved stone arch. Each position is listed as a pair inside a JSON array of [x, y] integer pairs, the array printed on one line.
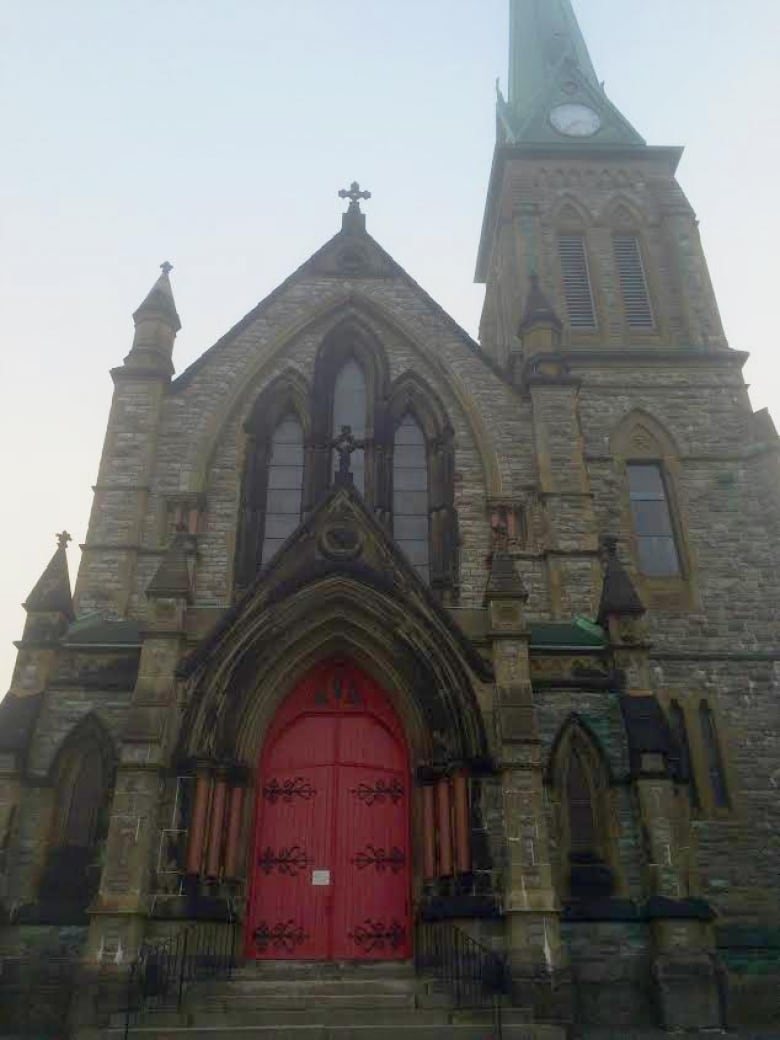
[[640, 435], [622, 214], [569, 214], [288, 392], [235, 693], [580, 776], [286, 395], [410, 394], [333, 311]]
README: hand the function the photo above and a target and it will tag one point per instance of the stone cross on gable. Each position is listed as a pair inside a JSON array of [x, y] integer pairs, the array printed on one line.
[[62, 540], [345, 445], [354, 194]]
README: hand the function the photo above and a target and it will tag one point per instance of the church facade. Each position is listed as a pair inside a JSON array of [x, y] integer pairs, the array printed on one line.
[[379, 628]]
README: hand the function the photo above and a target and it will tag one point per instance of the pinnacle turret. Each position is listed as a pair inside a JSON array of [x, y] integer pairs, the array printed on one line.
[[52, 593], [156, 324]]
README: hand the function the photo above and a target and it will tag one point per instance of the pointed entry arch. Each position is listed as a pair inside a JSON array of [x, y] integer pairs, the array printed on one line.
[[330, 861]]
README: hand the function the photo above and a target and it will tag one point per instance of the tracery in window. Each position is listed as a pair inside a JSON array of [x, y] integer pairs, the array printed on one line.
[[284, 493], [350, 408], [411, 505]]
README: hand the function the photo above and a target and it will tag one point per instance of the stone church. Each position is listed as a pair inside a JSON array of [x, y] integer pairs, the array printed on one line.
[[396, 656]]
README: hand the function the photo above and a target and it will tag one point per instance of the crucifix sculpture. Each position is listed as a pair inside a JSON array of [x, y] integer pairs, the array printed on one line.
[[345, 445]]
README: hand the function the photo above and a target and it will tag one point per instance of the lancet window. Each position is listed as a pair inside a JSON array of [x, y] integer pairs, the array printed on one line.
[[401, 458]]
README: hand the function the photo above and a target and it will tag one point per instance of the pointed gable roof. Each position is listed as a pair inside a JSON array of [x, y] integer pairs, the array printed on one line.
[[351, 254], [52, 594]]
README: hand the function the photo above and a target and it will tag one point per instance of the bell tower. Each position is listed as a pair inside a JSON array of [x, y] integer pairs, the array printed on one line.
[[579, 200]]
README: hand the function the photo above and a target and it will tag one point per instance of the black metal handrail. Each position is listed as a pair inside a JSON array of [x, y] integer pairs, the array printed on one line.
[[476, 976], [165, 967]]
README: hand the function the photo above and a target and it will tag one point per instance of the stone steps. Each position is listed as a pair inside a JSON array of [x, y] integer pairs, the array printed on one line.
[[384, 1030]]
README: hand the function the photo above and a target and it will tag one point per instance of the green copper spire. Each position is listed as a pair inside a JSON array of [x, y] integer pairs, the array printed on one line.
[[554, 92]]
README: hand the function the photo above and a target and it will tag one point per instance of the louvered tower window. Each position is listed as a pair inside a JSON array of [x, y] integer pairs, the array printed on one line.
[[633, 284], [576, 282]]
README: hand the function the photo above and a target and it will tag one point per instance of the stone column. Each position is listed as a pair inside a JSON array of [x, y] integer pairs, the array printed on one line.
[[532, 912]]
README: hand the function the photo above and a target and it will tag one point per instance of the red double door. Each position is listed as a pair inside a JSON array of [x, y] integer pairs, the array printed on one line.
[[331, 852]]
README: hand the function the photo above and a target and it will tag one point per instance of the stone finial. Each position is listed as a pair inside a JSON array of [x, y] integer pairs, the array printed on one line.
[[62, 540], [618, 595]]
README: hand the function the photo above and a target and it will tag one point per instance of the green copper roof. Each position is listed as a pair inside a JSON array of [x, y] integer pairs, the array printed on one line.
[[549, 66]]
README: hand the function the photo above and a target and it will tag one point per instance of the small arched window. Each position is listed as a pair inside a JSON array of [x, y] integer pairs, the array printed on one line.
[[350, 408], [680, 730], [285, 485], [411, 499], [714, 759]]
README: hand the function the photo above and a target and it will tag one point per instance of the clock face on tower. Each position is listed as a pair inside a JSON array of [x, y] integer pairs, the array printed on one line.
[[575, 120]]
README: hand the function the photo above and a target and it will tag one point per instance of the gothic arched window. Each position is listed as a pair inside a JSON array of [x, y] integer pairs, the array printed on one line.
[[713, 757], [580, 781], [350, 408], [82, 818], [285, 485], [680, 730], [272, 488], [411, 499]]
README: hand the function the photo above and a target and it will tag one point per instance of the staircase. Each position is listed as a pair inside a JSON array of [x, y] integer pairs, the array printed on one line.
[[303, 1001]]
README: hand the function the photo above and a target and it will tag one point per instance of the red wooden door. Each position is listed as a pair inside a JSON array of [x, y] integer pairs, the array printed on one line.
[[331, 853]]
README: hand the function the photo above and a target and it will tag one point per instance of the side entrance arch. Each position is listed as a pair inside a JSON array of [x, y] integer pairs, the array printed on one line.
[[330, 871]]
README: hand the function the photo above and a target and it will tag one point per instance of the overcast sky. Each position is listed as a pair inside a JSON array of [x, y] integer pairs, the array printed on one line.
[[216, 133]]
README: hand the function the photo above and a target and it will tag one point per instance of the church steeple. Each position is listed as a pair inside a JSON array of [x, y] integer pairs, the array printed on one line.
[[554, 92]]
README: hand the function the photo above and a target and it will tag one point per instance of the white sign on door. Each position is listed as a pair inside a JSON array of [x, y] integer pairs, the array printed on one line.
[[320, 878]]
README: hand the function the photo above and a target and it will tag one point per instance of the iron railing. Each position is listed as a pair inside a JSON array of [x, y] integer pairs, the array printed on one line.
[[164, 968], [475, 976]]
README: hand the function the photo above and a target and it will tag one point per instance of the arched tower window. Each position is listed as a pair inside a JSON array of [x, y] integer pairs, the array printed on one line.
[[714, 759], [411, 499], [350, 408], [284, 494]]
